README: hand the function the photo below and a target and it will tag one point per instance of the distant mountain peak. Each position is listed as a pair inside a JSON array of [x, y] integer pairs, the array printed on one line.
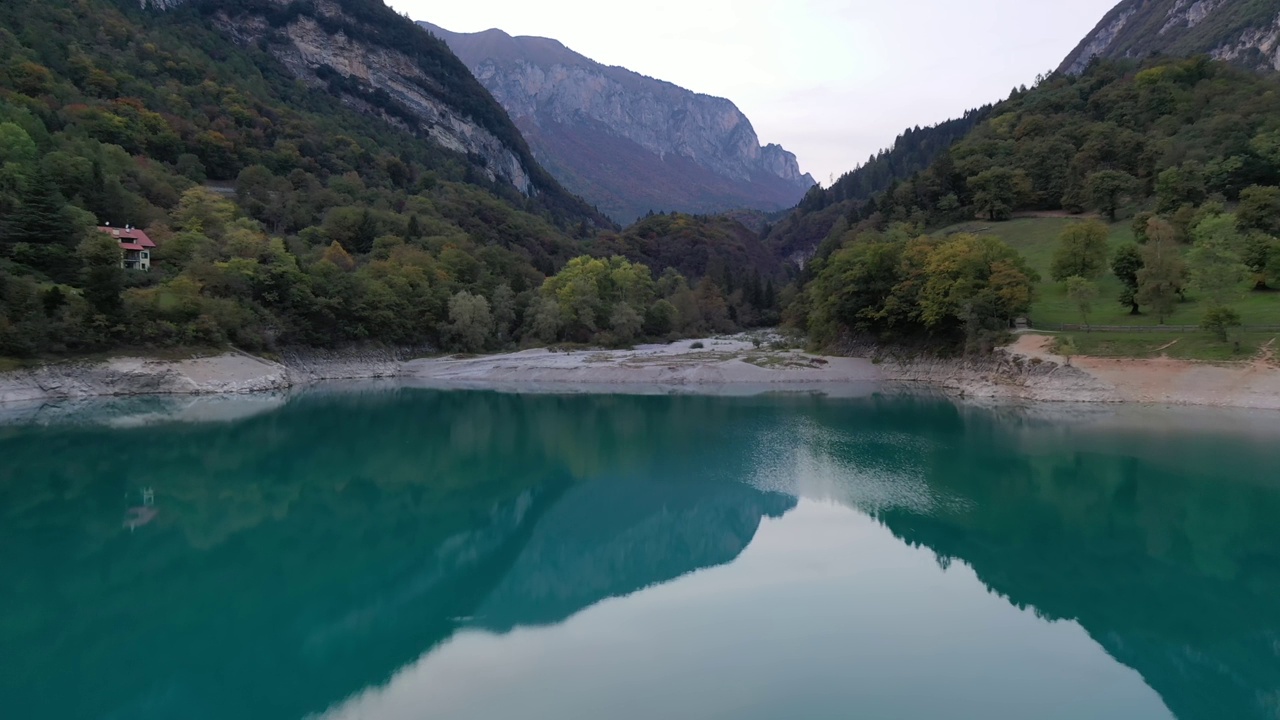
[[626, 142], [1246, 32]]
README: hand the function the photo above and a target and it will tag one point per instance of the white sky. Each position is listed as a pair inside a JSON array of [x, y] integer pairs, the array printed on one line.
[[831, 80]]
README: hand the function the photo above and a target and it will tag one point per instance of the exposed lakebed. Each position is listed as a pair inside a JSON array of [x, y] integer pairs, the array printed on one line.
[[412, 553]]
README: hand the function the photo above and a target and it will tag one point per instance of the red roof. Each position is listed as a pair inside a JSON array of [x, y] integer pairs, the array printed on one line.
[[133, 235], [131, 246]]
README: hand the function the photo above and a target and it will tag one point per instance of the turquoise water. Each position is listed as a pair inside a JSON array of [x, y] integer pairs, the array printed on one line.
[[421, 554]]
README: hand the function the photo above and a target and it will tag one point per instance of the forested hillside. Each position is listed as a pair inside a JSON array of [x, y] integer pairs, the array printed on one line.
[[913, 151], [1187, 150], [294, 201], [732, 261]]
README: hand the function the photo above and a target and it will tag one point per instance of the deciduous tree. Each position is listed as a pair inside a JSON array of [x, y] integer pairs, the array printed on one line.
[[1216, 269], [1081, 252], [469, 321], [625, 323], [1259, 210], [996, 192], [1125, 265], [1082, 293], [1163, 273], [1219, 321], [1107, 190]]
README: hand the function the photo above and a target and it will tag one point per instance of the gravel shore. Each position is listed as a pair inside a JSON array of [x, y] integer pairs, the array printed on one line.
[[1025, 371]]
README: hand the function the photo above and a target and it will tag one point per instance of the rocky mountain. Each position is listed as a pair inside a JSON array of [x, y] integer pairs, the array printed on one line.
[[1246, 32], [626, 142], [379, 64]]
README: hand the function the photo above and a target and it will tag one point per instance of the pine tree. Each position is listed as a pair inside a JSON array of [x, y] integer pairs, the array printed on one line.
[[42, 217], [100, 258], [366, 232], [755, 290]]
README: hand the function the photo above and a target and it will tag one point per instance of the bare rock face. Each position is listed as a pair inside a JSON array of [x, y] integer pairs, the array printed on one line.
[[626, 142], [1097, 43], [1246, 32], [313, 51], [310, 48]]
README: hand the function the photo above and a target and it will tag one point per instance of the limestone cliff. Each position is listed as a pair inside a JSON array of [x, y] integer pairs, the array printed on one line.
[[626, 142], [380, 64], [1246, 32]]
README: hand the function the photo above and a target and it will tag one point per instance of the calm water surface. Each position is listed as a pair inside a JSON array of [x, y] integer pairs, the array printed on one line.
[[417, 554]]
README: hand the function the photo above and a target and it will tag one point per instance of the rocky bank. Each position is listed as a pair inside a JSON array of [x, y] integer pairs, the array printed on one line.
[[230, 373], [1026, 371]]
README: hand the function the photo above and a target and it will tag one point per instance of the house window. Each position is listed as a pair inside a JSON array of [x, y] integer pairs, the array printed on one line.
[[145, 255]]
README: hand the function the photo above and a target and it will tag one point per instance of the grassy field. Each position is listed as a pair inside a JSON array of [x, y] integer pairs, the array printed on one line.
[[1186, 346], [1037, 238]]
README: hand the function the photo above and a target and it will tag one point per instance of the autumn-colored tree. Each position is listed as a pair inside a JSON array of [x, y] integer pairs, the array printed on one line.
[[338, 255], [1163, 274]]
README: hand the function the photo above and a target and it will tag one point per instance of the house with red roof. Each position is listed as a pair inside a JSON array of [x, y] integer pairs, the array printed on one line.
[[135, 246]]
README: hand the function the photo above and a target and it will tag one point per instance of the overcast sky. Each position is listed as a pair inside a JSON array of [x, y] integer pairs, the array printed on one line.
[[831, 80]]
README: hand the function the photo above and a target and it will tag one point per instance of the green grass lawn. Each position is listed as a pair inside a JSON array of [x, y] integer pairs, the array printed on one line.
[[1037, 238], [1182, 345]]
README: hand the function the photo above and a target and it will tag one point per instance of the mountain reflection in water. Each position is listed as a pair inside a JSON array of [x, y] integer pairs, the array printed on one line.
[[307, 554]]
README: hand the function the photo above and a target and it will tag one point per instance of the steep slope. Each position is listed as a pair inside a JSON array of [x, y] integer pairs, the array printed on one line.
[[913, 151], [1183, 139], [626, 142], [378, 63], [1209, 125], [313, 174], [1246, 32], [697, 246]]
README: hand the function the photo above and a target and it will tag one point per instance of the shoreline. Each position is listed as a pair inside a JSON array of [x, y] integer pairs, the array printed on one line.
[[1022, 372]]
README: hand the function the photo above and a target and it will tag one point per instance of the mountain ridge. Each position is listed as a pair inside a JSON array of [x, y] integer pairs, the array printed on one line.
[[375, 62], [554, 94], [1245, 32]]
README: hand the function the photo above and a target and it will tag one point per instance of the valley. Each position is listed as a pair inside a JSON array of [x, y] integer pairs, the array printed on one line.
[[352, 368], [364, 189]]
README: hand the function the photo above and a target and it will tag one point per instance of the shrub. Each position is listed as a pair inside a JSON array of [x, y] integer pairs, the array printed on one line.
[[1219, 321]]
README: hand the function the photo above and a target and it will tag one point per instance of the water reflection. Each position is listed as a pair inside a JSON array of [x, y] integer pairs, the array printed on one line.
[[341, 537], [309, 553]]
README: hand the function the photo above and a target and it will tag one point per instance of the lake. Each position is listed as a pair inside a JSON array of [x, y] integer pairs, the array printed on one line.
[[398, 554]]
